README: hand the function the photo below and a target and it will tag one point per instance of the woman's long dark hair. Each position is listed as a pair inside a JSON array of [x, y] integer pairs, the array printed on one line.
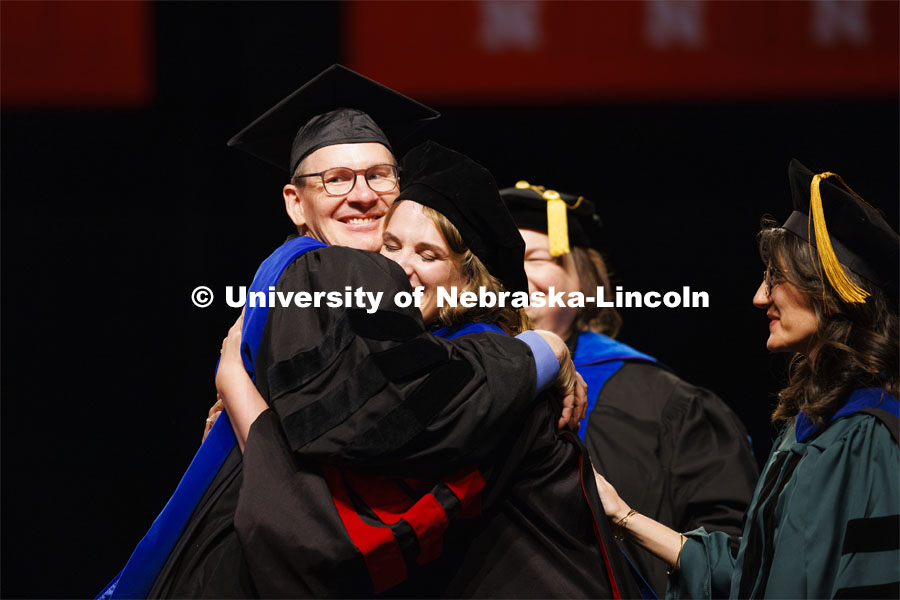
[[856, 345]]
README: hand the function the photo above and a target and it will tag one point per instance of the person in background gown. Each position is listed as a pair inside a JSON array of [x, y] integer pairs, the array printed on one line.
[[675, 451]]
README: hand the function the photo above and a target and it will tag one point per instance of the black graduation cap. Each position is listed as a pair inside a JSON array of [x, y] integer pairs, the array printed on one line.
[[845, 230], [337, 106], [565, 218], [466, 193]]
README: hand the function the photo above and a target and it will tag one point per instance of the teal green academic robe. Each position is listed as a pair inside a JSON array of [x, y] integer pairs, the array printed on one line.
[[824, 521]]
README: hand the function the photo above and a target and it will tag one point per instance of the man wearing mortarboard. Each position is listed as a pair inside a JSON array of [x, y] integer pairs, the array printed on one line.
[[194, 549]]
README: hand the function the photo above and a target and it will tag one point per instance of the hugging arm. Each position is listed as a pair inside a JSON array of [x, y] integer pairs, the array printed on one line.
[[373, 387]]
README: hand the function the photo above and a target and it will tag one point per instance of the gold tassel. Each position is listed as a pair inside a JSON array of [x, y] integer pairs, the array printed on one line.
[[557, 223], [842, 284]]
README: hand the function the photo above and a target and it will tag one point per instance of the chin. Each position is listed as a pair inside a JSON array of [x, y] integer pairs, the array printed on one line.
[[773, 345], [779, 347], [372, 243], [535, 316]]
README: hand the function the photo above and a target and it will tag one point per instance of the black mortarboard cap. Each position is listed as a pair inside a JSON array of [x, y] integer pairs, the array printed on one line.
[[337, 106], [858, 235], [466, 193], [529, 207]]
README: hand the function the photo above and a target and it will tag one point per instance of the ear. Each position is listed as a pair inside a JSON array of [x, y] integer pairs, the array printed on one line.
[[293, 204]]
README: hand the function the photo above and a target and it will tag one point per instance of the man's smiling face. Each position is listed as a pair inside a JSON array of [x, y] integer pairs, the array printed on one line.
[[353, 219]]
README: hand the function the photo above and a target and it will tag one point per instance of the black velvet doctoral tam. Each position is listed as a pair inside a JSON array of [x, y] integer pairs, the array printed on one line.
[[529, 210], [466, 193]]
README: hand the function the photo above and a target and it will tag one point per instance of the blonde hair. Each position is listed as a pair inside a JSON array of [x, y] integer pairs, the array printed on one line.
[[476, 275]]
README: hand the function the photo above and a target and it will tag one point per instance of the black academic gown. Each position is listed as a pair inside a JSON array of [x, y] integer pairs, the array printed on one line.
[[675, 452], [356, 396]]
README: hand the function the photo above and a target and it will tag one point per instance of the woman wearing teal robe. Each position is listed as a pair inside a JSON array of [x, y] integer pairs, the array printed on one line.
[[825, 517], [821, 521]]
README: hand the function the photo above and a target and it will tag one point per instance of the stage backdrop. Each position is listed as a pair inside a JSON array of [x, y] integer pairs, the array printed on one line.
[[659, 50]]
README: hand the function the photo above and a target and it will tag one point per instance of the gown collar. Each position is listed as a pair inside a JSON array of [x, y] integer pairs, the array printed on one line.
[[861, 399]]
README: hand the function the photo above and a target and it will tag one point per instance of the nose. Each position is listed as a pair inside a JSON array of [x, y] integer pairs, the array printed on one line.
[[405, 261], [761, 298], [362, 197]]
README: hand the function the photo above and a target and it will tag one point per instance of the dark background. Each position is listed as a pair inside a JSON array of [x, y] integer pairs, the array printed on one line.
[[110, 217]]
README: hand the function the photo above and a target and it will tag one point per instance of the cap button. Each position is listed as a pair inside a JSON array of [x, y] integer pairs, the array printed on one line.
[[522, 185], [551, 195]]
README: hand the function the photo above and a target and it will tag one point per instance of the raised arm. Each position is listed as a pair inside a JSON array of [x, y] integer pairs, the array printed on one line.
[[236, 390]]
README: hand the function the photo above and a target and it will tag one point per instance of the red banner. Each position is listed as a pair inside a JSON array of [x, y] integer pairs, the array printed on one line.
[[75, 54], [513, 51]]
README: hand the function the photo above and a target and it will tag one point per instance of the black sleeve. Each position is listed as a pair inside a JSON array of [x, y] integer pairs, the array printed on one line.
[[356, 388], [707, 453], [674, 451], [292, 537]]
